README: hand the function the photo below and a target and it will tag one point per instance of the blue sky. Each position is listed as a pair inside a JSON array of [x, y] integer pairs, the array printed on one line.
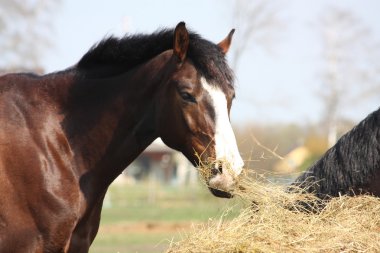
[[276, 86]]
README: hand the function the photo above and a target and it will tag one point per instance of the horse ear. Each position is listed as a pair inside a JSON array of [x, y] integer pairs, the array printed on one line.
[[181, 41], [224, 45]]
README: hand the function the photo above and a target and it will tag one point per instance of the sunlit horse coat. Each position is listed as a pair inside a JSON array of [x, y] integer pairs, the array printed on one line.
[[65, 136]]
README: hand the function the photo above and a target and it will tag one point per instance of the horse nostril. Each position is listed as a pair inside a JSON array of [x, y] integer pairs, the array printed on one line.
[[214, 171], [220, 168]]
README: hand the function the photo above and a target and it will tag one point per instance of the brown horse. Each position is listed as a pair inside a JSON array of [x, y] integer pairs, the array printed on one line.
[[64, 137]]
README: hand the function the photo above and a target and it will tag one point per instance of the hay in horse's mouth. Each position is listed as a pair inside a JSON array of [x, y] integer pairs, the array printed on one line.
[[277, 221], [217, 175]]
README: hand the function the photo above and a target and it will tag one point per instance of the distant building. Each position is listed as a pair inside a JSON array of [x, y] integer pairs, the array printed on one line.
[[161, 163], [292, 161]]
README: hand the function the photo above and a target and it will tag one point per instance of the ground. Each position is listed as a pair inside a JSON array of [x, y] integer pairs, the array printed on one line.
[[146, 217]]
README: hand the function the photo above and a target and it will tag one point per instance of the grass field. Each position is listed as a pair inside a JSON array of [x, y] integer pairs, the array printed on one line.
[[145, 217]]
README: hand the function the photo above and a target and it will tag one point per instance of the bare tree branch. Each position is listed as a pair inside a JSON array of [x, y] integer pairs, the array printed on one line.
[[348, 75], [258, 23], [25, 28]]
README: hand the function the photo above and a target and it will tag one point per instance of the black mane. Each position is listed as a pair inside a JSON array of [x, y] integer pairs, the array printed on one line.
[[349, 165], [124, 53]]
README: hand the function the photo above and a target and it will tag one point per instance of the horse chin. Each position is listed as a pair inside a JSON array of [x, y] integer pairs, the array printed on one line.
[[220, 194]]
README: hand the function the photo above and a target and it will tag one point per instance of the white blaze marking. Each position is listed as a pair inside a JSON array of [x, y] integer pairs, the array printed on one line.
[[225, 141]]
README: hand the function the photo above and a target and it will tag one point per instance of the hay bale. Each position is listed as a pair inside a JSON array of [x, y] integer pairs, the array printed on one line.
[[276, 221]]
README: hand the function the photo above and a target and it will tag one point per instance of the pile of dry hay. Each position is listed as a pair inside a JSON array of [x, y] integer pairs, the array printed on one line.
[[277, 221]]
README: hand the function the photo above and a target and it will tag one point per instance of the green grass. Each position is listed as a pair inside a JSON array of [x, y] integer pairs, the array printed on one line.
[[131, 242], [129, 210]]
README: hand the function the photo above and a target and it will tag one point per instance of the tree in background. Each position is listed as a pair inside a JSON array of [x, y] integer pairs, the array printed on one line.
[[259, 22], [349, 74], [25, 32]]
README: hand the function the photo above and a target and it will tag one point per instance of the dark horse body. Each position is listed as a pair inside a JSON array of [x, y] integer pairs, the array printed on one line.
[[351, 166], [64, 137]]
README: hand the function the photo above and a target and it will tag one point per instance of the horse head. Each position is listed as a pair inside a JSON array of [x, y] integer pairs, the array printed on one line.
[[195, 109]]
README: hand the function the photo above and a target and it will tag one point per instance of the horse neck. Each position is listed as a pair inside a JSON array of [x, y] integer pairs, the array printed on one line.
[[111, 120]]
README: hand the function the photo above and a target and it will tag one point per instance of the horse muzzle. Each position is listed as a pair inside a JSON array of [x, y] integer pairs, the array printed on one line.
[[223, 181]]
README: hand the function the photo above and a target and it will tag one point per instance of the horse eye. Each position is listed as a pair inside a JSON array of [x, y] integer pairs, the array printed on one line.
[[188, 97]]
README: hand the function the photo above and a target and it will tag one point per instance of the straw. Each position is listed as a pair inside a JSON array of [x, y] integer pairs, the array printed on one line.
[[278, 220]]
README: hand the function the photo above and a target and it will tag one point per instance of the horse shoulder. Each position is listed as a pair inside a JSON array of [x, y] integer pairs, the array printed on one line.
[[39, 188]]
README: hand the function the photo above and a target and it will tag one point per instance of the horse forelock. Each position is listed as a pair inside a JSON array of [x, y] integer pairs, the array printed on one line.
[[122, 54]]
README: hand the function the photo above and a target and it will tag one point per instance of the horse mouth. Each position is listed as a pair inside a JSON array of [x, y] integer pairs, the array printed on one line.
[[221, 184], [219, 177], [220, 193]]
